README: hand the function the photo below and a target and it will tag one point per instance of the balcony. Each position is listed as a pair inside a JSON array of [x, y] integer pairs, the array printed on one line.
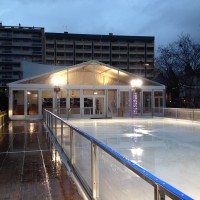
[[9, 77], [101, 44], [6, 43], [119, 44], [49, 42], [83, 43], [137, 44]]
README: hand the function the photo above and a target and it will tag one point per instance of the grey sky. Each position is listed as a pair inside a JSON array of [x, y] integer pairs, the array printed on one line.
[[163, 19]]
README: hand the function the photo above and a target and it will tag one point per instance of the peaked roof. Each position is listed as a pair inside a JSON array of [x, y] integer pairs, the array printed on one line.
[[92, 66]]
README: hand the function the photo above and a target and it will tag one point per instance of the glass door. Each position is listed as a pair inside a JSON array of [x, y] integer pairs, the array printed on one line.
[[88, 106], [158, 99], [94, 106], [99, 106]]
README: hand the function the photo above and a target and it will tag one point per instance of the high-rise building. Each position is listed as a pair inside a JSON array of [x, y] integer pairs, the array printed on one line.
[[19, 43], [134, 54]]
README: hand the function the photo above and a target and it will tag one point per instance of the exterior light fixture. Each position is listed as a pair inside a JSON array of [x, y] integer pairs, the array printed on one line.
[[136, 84], [57, 82]]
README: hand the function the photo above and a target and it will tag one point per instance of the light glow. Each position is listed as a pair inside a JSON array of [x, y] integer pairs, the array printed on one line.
[[137, 151], [57, 81], [136, 83]]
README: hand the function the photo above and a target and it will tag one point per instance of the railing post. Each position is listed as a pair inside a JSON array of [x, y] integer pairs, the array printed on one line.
[[94, 170], [48, 119], [61, 129], [51, 124], [193, 115], [156, 192], [55, 125], [72, 146]]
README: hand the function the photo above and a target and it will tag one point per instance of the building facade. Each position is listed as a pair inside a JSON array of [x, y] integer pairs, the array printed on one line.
[[19, 43], [134, 54], [87, 90]]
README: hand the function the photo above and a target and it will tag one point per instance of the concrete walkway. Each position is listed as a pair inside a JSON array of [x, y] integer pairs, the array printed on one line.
[[30, 167]]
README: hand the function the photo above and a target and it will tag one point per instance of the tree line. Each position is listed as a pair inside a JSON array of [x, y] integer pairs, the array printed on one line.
[[177, 66]]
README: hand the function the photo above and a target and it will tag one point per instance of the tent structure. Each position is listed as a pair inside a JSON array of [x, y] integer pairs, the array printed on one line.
[[90, 89]]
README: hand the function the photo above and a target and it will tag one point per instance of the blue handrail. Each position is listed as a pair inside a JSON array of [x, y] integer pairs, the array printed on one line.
[[147, 176]]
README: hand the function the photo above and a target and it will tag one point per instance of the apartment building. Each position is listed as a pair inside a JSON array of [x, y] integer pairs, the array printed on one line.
[[18, 43], [134, 54]]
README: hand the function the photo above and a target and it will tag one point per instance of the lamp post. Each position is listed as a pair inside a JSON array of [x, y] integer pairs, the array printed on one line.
[[57, 83], [135, 89]]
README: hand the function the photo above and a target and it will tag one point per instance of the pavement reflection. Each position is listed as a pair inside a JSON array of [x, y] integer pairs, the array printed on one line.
[[30, 167]]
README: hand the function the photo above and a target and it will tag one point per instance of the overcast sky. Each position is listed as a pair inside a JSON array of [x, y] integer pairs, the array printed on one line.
[[164, 19]]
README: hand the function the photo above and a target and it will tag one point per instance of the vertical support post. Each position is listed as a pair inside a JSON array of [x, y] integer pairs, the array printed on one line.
[[44, 116], [61, 129], [152, 103], [10, 102], [55, 126], [106, 102], [52, 122], [192, 115], [40, 102], [72, 146], [118, 99], [48, 119], [26, 103], [94, 170], [164, 100], [156, 193]]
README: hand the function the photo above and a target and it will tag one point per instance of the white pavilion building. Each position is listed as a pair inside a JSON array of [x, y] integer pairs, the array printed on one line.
[[88, 90]]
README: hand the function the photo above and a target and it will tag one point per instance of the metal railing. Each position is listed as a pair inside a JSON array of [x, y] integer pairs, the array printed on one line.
[[3, 118], [178, 113], [101, 171]]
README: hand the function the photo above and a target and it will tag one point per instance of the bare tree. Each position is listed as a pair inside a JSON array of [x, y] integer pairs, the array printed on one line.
[[179, 63]]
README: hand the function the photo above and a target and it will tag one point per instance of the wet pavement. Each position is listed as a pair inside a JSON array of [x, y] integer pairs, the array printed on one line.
[[30, 167]]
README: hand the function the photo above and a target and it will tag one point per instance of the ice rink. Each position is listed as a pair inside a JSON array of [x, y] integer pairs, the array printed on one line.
[[168, 148]]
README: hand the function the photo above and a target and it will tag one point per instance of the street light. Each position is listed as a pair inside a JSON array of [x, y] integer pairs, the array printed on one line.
[[135, 89], [57, 83]]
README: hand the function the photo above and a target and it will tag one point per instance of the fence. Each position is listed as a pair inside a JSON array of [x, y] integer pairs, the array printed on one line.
[[3, 118], [101, 171], [179, 113]]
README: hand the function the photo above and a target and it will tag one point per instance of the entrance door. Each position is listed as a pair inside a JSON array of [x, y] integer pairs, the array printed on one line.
[[158, 102], [99, 105], [94, 106], [88, 106]]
